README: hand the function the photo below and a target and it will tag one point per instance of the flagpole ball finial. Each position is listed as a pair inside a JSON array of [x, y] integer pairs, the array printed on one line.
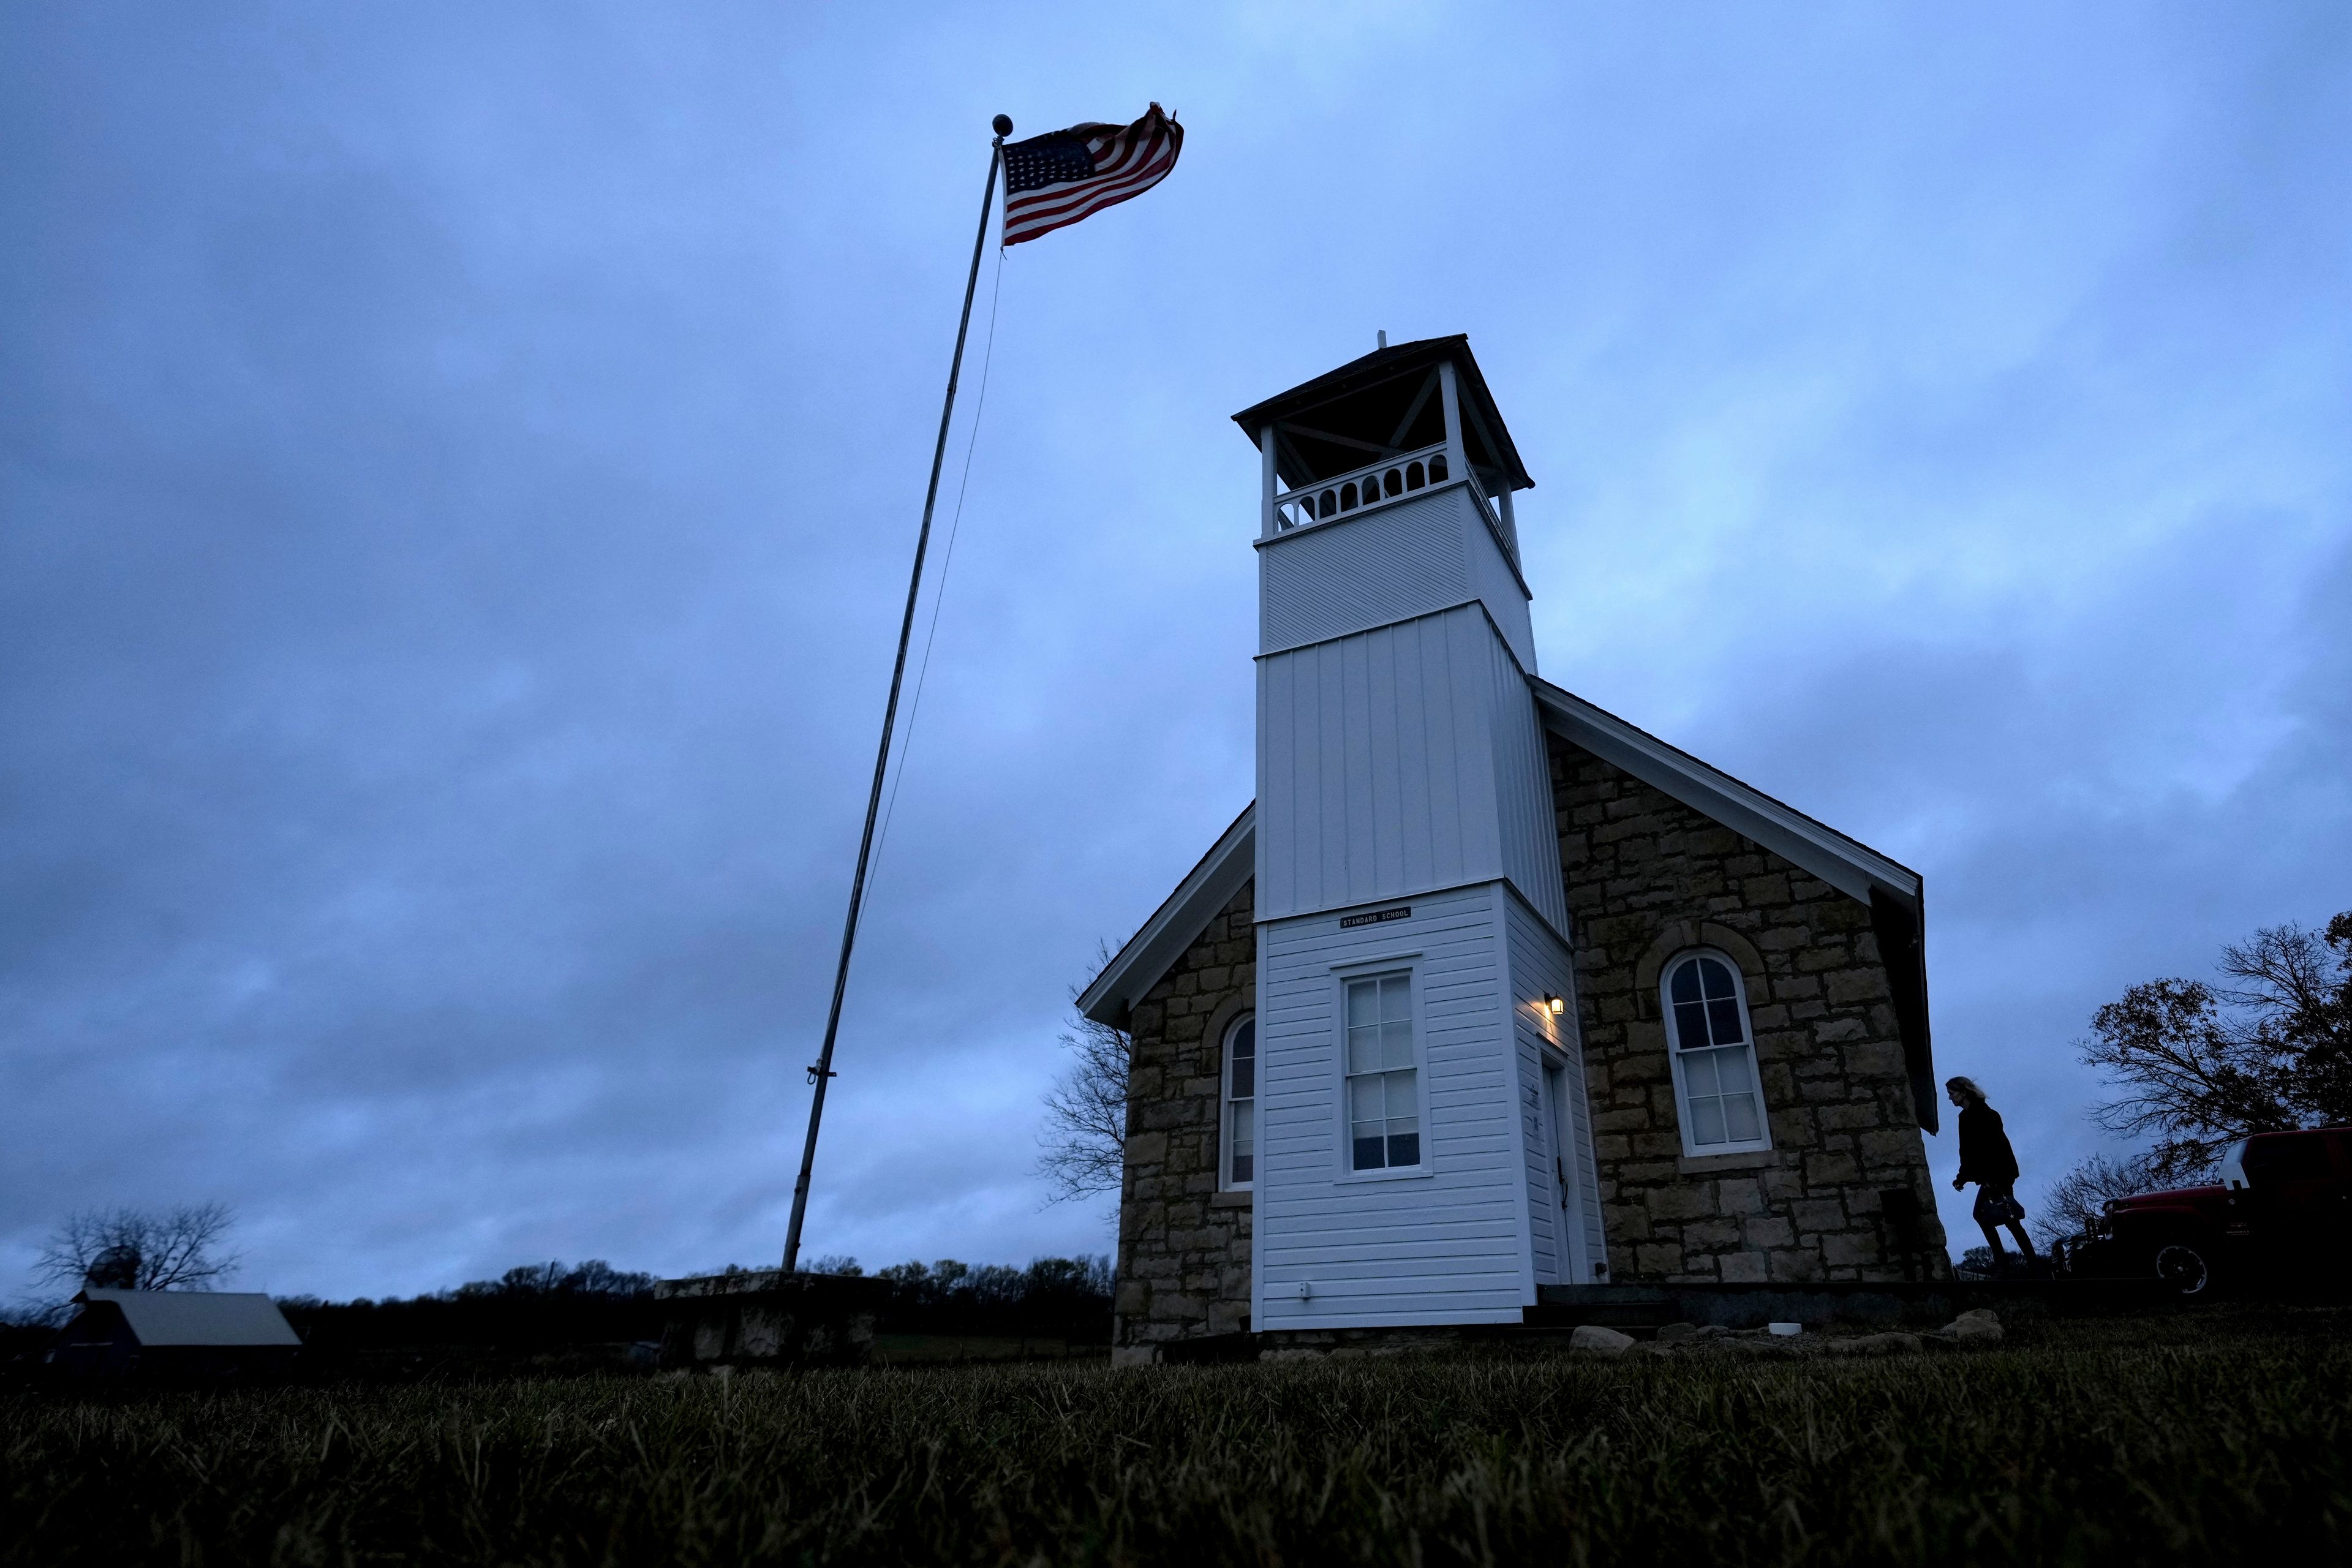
[[1003, 125]]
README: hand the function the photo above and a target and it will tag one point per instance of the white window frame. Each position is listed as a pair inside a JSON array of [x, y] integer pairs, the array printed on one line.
[[1226, 1183], [1343, 976], [1693, 1149]]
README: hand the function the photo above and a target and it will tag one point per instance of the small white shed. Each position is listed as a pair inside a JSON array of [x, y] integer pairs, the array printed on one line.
[[182, 1331]]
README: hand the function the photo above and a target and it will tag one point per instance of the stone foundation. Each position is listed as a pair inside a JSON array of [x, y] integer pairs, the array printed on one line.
[[766, 1316]]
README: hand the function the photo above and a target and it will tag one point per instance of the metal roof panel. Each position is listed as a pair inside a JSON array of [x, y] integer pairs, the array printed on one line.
[[199, 1317]]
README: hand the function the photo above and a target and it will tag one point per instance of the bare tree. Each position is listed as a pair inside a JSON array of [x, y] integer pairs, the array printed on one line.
[[141, 1250], [2200, 1066], [2302, 1011], [1084, 1138], [2076, 1201]]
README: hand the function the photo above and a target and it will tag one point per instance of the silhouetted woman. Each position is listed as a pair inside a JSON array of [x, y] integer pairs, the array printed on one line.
[[1987, 1160]]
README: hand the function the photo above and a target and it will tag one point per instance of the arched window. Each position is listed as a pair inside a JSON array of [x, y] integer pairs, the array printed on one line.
[[1714, 1055], [1237, 1119]]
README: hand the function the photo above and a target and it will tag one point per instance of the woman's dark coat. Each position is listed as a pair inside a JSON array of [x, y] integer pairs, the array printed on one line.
[[1984, 1154]]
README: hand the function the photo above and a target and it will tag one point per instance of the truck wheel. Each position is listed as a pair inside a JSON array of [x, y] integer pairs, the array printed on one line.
[[2183, 1266]]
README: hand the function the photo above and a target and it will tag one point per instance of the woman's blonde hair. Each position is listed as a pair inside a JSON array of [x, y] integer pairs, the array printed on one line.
[[1966, 1086]]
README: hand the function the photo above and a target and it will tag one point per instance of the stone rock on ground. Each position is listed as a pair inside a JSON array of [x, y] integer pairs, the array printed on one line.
[[1980, 1326], [1672, 1333], [1594, 1339]]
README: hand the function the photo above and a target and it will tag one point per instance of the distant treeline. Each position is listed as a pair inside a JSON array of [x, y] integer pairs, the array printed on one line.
[[548, 1306], [538, 1306], [1066, 1297]]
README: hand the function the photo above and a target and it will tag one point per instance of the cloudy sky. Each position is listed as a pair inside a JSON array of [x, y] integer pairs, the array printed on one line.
[[458, 467]]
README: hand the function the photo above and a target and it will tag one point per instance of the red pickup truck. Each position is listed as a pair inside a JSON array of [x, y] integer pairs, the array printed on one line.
[[2282, 1211]]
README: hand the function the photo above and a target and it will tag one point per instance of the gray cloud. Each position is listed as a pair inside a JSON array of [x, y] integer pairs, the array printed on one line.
[[458, 472]]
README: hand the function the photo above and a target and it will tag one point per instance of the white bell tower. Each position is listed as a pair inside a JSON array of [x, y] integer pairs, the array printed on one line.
[[1424, 1155]]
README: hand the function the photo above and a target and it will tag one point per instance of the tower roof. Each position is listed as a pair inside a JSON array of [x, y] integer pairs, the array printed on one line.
[[1375, 406]]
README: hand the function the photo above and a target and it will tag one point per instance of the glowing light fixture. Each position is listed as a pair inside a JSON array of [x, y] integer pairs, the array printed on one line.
[[1555, 1005]]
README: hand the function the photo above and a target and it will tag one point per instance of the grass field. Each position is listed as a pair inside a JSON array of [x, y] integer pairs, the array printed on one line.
[[2218, 1438]]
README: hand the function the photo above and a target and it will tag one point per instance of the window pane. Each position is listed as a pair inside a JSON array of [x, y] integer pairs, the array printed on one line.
[[1404, 1148], [1716, 978], [1690, 1024], [1731, 1070], [1245, 1078], [1244, 1164], [1685, 986], [1245, 1039], [1381, 1082], [1699, 1074], [1725, 1017], [1706, 1119], [1739, 1116], [2286, 1158]]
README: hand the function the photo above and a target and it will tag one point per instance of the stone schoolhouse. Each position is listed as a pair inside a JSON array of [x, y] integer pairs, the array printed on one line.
[[1491, 1001]]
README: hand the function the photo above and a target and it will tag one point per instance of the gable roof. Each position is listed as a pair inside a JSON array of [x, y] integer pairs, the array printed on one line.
[[197, 1317], [1207, 888], [1846, 864], [1850, 866]]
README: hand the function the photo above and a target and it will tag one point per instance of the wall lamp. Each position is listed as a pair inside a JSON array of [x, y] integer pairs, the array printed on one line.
[[1555, 1005]]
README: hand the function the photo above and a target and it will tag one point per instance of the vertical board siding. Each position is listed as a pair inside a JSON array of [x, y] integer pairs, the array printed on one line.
[[1443, 1247], [1542, 965], [1381, 772], [1528, 830], [1399, 760]]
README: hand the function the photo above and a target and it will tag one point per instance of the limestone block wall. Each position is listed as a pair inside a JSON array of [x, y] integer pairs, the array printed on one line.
[[1648, 877], [1183, 1245]]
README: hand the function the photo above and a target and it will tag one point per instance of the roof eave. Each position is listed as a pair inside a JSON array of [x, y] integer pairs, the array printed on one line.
[[1209, 887], [1381, 363], [1846, 864]]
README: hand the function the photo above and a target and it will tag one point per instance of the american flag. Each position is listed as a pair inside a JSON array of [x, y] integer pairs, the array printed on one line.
[[1053, 180]]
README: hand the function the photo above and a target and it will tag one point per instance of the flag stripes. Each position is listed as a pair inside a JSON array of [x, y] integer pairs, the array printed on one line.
[[1055, 180]]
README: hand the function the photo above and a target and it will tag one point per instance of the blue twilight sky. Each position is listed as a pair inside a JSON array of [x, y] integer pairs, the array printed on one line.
[[458, 466]]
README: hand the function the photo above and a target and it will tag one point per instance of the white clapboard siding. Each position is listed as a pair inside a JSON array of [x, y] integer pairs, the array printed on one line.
[[1444, 1247], [1541, 966], [1371, 568], [1399, 760]]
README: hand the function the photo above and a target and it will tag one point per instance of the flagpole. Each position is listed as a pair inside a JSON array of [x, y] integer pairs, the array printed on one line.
[[821, 1072]]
